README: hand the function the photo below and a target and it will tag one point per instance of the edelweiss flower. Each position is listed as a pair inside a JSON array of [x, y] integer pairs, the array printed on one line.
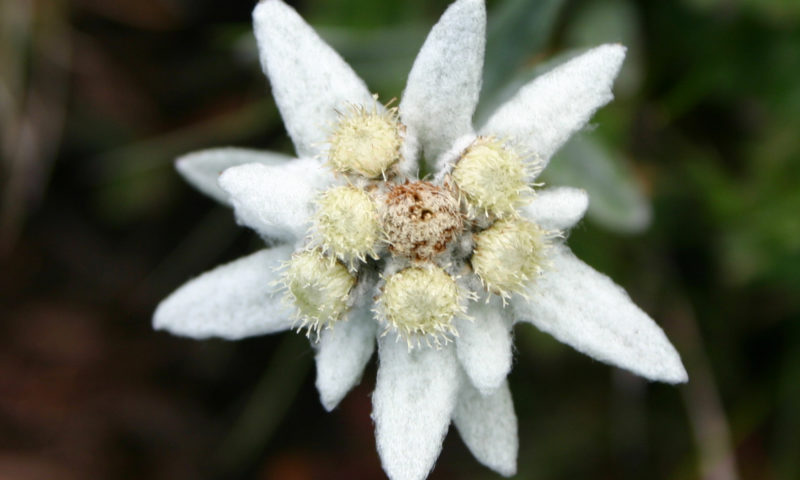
[[437, 270]]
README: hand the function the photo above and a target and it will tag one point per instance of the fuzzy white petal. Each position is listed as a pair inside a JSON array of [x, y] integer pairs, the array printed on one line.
[[558, 208], [276, 201], [232, 301], [310, 81], [444, 83], [549, 109], [447, 160], [342, 354], [483, 345], [588, 311], [203, 168], [408, 165], [488, 426], [414, 398]]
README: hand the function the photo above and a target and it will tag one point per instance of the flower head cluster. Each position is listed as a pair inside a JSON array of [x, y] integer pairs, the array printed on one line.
[[437, 270]]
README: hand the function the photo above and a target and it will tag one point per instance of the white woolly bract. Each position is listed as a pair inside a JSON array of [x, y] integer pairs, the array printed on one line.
[[309, 79], [484, 343], [588, 311], [412, 405], [342, 353], [232, 301], [558, 208], [276, 201], [488, 425], [548, 110], [445, 81], [203, 168]]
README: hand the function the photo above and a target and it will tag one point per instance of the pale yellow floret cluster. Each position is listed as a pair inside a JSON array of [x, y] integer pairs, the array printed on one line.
[[318, 288], [347, 224], [414, 221], [493, 177], [509, 255], [346, 227], [419, 303], [366, 142]]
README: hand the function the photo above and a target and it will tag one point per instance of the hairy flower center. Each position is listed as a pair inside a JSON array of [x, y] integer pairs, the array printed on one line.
[[318, 287], [420, 302], [493, 178], [366, 142], [509, 254], [420, 219], [347, 222]]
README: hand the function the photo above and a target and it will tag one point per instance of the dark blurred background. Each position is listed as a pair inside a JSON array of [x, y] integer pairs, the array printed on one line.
[[695, 184]]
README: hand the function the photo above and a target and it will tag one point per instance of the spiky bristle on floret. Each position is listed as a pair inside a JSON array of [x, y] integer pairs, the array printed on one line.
[[510, 254], [318, 288], [419, 303], [366, 142]]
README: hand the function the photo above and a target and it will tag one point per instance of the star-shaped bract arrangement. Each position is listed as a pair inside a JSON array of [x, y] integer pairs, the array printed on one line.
[[437, 270]]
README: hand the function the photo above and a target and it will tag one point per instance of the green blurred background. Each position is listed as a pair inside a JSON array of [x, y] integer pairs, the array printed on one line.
[[694, 178]]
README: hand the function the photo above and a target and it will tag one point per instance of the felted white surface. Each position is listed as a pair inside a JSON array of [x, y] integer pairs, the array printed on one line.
[[232, 301], [203, 168], [445, 81], [549, 109], [488, 426], [415, 394], [558, 208], [408, 165], [586, 310], [276, 201], [310, 81], [483, 345], [447, 160], [342, 354]]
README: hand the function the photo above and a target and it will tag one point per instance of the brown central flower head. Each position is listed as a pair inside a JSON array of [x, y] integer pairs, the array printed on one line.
[[420, 219]]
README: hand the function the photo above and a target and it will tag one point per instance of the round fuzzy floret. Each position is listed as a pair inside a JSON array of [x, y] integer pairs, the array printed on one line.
[[509, 255], [366, 142], [419, 303], [318, 287], [492, 177], [347, 224], [420, 219]]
